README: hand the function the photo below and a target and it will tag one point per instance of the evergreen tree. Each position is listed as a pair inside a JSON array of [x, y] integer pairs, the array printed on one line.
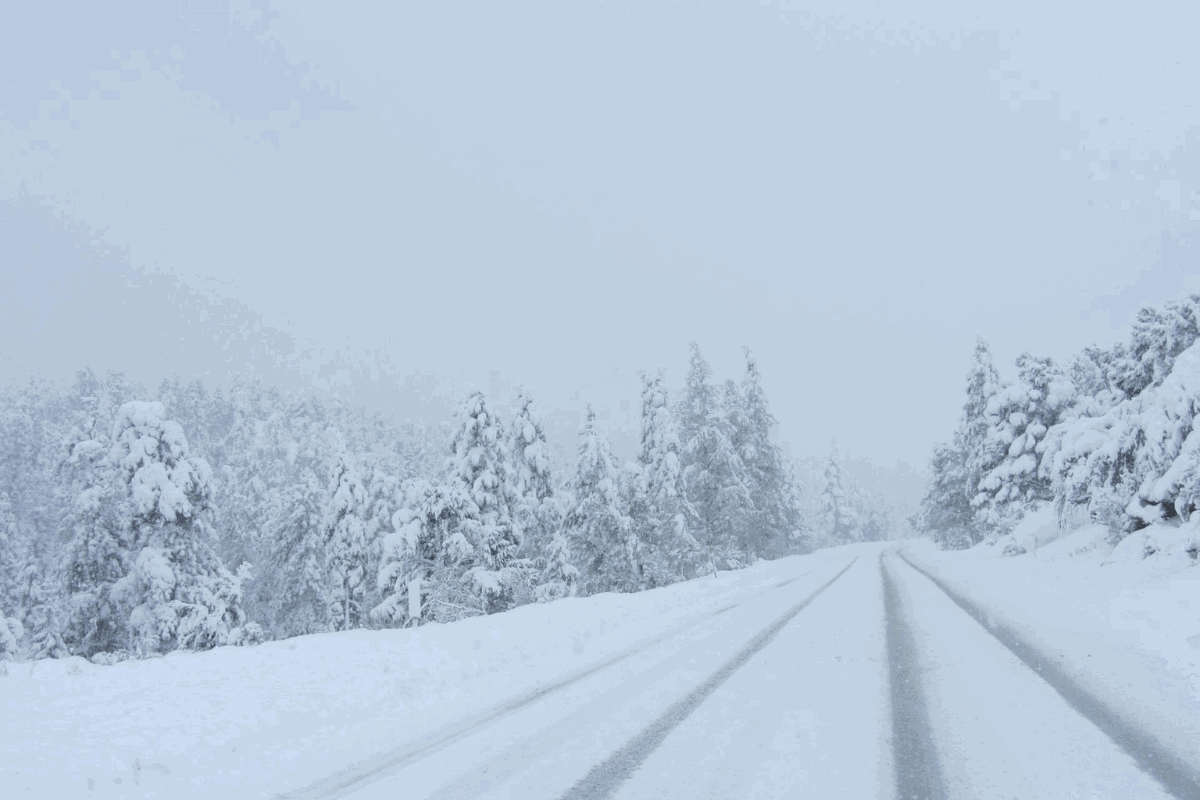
[[385, 496], [769, 523], [10, 562], [481, 462], [983, 452], [873, 511], [946, 511], [1137, 462], [1159, 336], [713, 472], [534, 508], [597, 530], [656, 495], [40, 606], [177, 592], [11, 633], [97, 554], [345, 535], [299, 578], [427, 558], [559, 576], [1019, 416], [842, 522]]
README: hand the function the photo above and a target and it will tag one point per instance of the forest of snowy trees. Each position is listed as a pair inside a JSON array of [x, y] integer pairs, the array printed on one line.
[[133, 525], [1107, 438]]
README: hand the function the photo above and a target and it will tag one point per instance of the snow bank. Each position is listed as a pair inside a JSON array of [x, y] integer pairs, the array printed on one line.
[[242, 722]]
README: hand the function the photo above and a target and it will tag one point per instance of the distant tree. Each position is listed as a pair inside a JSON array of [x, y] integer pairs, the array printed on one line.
[[299, 577], [41, 605], [97, 553], [655, 494], [959, 468], [534, 506], [11, 632], [10, 562], [772, 519], [715, 477], [946, 511], [842, 522], [345, 535], [598, 531]]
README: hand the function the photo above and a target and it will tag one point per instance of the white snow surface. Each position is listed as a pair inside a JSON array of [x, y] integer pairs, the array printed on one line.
[[810, 710], [253, 722], [1125, 621]]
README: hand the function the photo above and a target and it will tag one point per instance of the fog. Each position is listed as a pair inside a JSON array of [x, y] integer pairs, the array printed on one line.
[[400, 202]]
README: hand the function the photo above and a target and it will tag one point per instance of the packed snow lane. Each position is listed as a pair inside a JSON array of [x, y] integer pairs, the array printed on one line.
[[998, 727], [807, 716], [917, 770], [546, 749], [358, 775]]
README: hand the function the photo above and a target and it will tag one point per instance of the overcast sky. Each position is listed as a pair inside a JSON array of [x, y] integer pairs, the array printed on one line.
[[566, 192]]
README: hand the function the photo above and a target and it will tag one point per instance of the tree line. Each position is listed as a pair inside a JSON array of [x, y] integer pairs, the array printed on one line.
[[131, 525], [1106, 438]]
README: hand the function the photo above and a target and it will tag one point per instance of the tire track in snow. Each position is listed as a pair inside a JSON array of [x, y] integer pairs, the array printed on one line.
[[1174, 774], [915, 759], [365, 772], [604, 779]]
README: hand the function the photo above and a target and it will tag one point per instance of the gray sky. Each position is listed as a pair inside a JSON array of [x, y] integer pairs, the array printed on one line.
[[564, 193]]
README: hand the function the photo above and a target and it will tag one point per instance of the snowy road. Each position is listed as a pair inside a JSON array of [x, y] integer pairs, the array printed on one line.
[[792, 694]]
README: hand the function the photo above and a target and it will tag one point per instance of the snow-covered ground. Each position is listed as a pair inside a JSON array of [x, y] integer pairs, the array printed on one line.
[[1123, 624], [254, 722], [1077, 590], [440, 711]]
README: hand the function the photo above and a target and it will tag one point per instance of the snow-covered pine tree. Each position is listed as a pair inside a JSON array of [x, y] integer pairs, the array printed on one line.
[[657, 495], [345, 535], [874, 513], [97, 554], [41, 607], [1019, 416], [385, 495], [11, 633], [946, 512], [1139, 461], [248, 436], [841, 520], [189, 405], [1159, 335], [10, 562], [559, 576], [299, 578], [177, 592], [1167, 464], [798, 531], [1108, 455], [770, 522], [597, 529], [983, 452], [713, 472], [535, 508], [426, 559], [481, 462]]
